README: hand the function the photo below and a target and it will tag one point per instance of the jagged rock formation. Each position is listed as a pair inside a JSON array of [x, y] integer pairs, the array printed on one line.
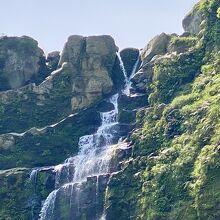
[[91, 60], [82, 79], [192, 22]]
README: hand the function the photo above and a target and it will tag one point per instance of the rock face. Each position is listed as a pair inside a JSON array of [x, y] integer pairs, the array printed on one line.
[[27, 189], [167, 165], [91, 61], [53, 60], [20, 61], [158, 45], [192, 22], [83, 201]]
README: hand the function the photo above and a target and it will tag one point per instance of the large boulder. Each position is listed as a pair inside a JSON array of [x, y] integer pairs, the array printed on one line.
[[157, 46], [91, 61], [40, 146], [192, 22], [82, 79], [117, 75], [20, 61]]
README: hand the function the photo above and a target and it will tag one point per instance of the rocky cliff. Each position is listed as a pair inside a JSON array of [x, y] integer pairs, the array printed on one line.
[[167, 164]]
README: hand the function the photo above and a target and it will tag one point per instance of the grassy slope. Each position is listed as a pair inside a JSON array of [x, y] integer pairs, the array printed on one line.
[[175, 171]]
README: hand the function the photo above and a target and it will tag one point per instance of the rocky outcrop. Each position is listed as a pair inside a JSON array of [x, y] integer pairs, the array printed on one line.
[[26, 189], [157, 46], [37, 105], [82, 79], [159, 49], [91, 61], [192, 22], [21, 61]]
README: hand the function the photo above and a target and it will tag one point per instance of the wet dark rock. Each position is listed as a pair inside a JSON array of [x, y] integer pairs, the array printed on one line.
[[79, 201], [53, 60], [132, 102], [129, 57], [105, 106], [117, 76]]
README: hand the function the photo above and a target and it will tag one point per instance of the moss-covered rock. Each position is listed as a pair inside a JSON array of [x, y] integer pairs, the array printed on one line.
[[82, 80], [176, 148], [37, 106], [22, 190], [50, 145]]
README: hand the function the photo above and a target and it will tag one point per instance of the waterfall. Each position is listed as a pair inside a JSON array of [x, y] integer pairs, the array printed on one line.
[[93, 159], [95, 153], [127, 80]]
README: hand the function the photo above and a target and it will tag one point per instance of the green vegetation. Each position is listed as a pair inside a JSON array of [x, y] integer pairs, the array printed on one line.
[[176, 155], [22, 112]]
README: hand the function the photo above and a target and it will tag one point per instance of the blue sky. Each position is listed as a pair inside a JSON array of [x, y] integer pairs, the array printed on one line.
[[132, 23]]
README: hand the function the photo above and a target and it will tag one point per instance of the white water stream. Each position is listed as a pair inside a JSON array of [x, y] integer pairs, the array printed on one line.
[[128, 84], [95, 151]]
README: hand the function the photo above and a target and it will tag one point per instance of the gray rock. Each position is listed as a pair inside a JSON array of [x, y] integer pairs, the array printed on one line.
[[192, 22], [20, 60], [6, 142], [129, 57]]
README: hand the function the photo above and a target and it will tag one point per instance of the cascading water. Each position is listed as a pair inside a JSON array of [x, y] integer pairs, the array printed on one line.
[[128, 84], [93, 159]]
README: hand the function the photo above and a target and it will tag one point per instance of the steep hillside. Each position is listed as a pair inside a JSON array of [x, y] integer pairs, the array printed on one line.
[[174, 172], [96, 134]]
